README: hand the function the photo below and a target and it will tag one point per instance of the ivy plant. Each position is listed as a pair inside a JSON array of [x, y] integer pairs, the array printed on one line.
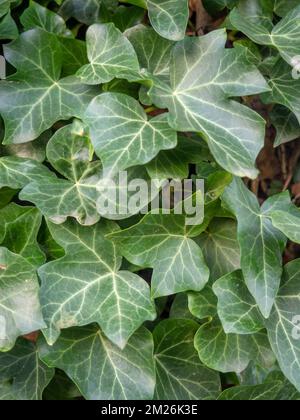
[[143, 305]]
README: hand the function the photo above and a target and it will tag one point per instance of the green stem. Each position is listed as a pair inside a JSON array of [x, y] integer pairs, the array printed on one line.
[[150, 109]]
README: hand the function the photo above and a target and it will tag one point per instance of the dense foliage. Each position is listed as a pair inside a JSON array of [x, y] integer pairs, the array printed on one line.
[[146, 307]]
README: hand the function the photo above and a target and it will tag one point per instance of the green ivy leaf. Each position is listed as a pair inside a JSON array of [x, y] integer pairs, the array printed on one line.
[[122, 134], [163, 242], [237, 309], [35, 97], [70, 298], [262, 245], [286, 124], [283, 325], [18, 232], [204, 76], [180, 375], [69, 152], [110, 55], [24, 374], [169, 17], [100, 369], [255, 20], [20, 311], [263, 392]]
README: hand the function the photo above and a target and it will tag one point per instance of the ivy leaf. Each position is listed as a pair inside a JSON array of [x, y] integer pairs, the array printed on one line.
[[8, 28], [258, 26], [262, 245], [26, 376], [69, 152], [122, 135], [204, 76], [265, 392], [87, 11], [18, 232], [288, 221], [223, 352], [34, 98], [127, 17], [169, 17], [110, 55], [220, 247], [282, 7], [20, 311], [237, 309], [288, 392], [119, 301], [286, 124], [163, 243], [203, 304], [16, 172], [100, 369], [284, 88], [37, 16], [283, 329], [180, 375]]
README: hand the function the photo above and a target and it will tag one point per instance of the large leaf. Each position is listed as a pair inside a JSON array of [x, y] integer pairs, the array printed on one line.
[[169, 17], [18, 232], [110, 54], [163, 242], [69, 152], [204, 76], [86, 285], [283, 325], [180, 375], [122, 134], [261, 244], [26, 376], [100, 369], [20, 311], [34, 98]]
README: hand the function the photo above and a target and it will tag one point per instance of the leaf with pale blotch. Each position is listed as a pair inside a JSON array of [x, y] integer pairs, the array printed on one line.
[[286, 124], [18, 232], [237, 309], [69, 152], [179, 373], [35, 97], [220, 247], [25, 375], [283, 324], [284, 88], [204, 76], [100, 369], [110, 54], [261, 243], [254, 19], [265, 392], [17, 172], [86, 285], [37, 16], [169, 17], [20, 311], [122, 134], [163, 243]]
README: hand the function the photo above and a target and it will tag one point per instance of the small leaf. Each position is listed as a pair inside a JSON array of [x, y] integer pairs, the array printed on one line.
[[265, 392]]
